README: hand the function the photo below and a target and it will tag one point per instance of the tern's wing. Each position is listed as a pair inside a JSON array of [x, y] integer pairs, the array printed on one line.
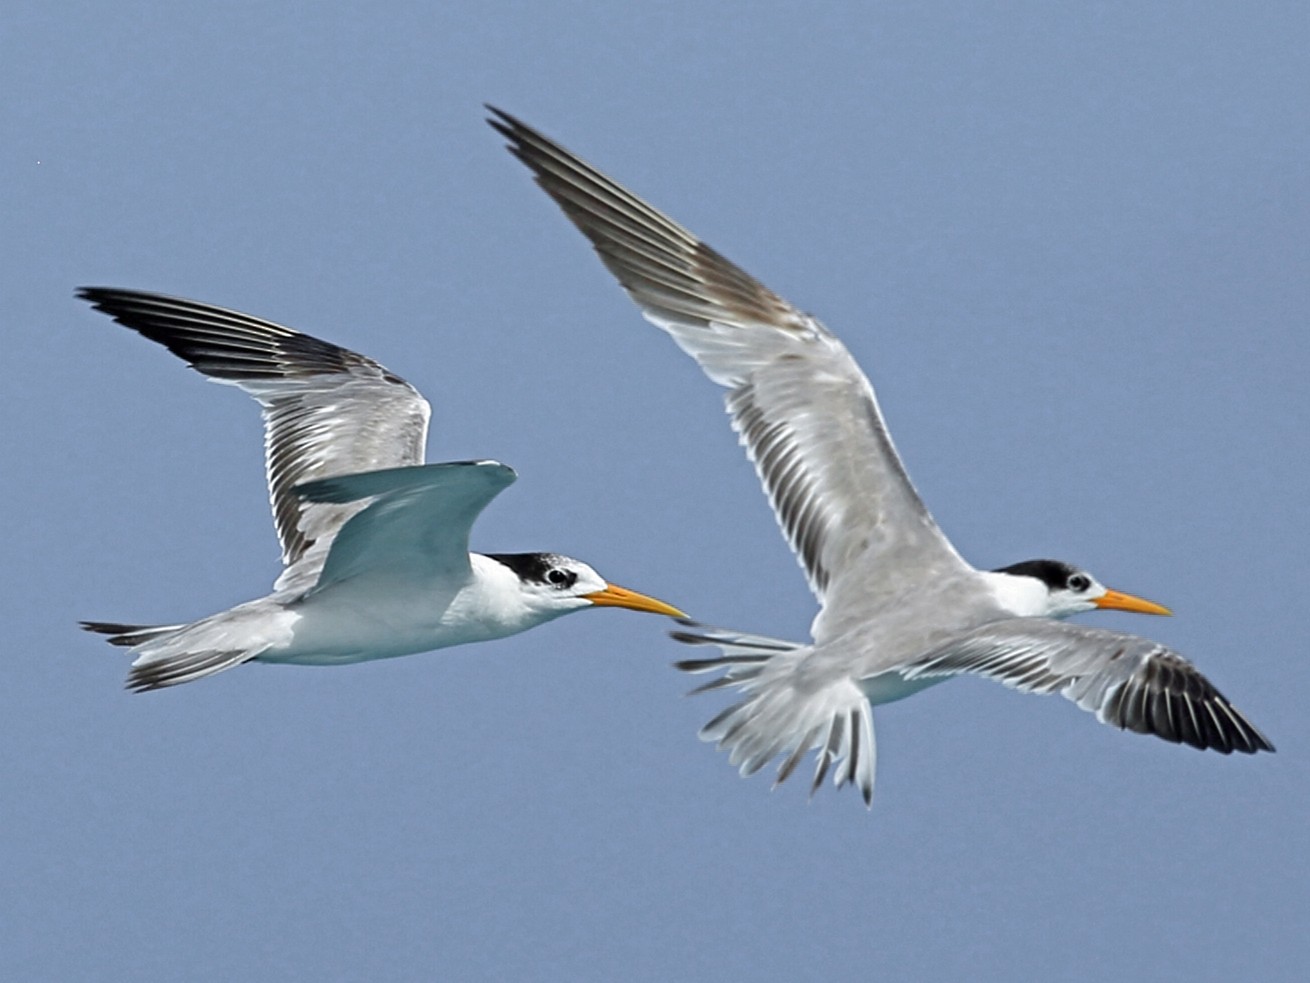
[[1129, 682], [327, 410], [416, 525], [804, 410]]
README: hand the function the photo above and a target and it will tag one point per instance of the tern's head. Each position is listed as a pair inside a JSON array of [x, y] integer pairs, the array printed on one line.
[[1052, 589], [551, 585]]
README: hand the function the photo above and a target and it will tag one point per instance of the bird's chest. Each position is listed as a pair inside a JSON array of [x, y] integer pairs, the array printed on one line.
[[376, 618]]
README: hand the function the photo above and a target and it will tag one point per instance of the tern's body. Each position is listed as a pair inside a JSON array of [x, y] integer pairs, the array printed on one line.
[[900, 609], [374, 541], [363, 620], [359, 621]]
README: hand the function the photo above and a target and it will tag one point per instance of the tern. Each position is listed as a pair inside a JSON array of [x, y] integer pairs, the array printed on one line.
[[900, 609], [374, 541]]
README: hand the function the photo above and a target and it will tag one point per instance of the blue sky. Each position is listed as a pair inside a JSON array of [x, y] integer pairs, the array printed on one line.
[[1068, 245]]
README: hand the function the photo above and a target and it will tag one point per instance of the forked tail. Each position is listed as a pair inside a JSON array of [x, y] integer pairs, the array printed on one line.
[[167, 655], [127, 635], [788, 709]]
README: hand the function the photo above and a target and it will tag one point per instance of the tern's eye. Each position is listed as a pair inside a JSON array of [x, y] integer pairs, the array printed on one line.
[[560, 578], [1079, 582]]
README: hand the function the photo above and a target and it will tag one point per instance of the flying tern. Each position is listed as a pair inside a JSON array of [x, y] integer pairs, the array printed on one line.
[[374, 541], [900, 610]]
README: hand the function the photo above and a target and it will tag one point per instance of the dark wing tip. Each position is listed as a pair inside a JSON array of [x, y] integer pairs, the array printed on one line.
[[507, 124], [119, 303], [1172, 700], [500, 121], [514, 130], [665, 267], [224, 343]]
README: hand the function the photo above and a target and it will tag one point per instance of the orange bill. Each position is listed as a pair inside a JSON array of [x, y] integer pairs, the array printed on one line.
[[621, 597], [1119, 601]]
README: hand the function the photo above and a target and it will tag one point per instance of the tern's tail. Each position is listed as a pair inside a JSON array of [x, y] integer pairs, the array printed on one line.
[[167, 655], [128, 635], [787, 709]]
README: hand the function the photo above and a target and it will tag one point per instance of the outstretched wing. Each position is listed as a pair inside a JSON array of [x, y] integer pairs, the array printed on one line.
[[327, 410], [416, 525], [803, 409], [1127, 681]]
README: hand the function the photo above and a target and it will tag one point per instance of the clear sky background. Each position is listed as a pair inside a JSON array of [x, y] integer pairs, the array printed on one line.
[[1068, 243]]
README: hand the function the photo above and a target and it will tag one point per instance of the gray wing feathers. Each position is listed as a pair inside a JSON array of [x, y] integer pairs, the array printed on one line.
[[784, 713], [803, 409], [811, 426], [664, 266], [327, 410], [417, 521], [335, 427], [1127, 681]]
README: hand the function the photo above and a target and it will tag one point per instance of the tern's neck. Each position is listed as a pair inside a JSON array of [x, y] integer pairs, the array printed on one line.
[[1020, 596], [495, 597]]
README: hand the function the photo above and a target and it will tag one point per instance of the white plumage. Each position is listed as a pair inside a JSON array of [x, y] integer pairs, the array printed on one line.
[[899, 608], [375, 543]]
